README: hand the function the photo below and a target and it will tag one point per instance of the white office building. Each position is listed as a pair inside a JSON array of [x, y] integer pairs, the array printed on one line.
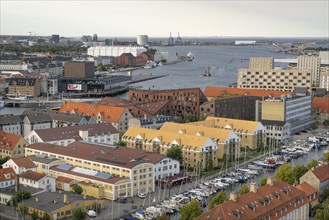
[[115, 51]]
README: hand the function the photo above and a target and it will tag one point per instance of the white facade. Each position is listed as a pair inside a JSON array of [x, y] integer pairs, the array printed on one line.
[[28, 126], [47, 183], [14, 128], [312, 64], [16, 66], [142, 40], [115, 51], [17, 169], [298, 112], [53, 86], [277, 134], [324, 80], [165, 168]]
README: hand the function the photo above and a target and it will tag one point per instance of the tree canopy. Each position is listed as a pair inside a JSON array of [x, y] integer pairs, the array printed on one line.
[[326, 123], [312, 164], [263, 181], [220, 197], [191, 210], [243, 190], [77, 189], [299, 171], [79, 214], [175, 152], [326, 157], [285, 173]]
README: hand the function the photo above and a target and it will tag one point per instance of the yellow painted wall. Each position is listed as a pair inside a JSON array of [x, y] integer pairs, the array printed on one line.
[[273, 111]]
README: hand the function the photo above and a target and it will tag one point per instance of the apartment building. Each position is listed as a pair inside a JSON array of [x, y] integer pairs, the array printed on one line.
[[7, 178], [150, 122], [121, 171], [324, 80], [24, 86], [276, 200], [261, 63], [311, 64], [276, 112], [251, 133], [35, 122], [20, 165], [139, 109], [117, 116], [11, 145], [38, 180], [227, 141], [317, 177], [274, 79], [196, 150], [183, 102], [103, 133]]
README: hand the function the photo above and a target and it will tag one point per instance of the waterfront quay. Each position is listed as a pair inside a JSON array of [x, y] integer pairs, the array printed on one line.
[[116, 210]]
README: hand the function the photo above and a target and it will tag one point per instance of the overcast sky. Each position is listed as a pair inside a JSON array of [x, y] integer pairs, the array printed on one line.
[[157, 18]]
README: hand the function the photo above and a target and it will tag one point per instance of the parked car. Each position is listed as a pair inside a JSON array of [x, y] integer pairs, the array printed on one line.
[[91, 213], [141, 195], [122, 199]]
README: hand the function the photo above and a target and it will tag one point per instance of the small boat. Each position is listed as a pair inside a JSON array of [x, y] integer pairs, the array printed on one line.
[[150, 64], [206, 72], [18, 97], [190, 56]]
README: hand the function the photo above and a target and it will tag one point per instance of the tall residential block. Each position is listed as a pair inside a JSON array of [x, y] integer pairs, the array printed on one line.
[[79, 69], [261, 63], [312, 64]]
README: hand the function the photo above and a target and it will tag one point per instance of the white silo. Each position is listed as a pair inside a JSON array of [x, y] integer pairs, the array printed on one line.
[[142, 40]]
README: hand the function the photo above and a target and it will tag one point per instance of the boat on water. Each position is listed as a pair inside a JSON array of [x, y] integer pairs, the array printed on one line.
[[18, 97], [190, 56], [206, 72], [150, 64]]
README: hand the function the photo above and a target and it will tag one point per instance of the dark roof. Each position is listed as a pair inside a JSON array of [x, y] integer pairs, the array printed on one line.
[[46, 200], [10, 119], [157, 119], [37, 118], [127, 55], [42, 159], [117, 156], [72, 132], [23, 81], [271, 122], [11, 190]]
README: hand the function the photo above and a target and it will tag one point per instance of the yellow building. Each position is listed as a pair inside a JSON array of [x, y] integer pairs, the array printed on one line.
[[195, 149], [11, 145], [44, 163], [59, 205], [131, 170], [251, 133], [227, 141]]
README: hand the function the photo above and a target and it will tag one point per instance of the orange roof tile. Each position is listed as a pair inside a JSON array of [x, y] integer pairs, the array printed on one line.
[[7, 174], [24, 162], [309, 190], [321, 103], [31, 175], [110, 113], [8, 141], [64, 179], [322, 172], [212, 91]]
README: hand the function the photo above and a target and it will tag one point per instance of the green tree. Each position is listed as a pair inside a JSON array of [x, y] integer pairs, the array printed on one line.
[[299, 171], [79, 214], [326, 123], [175, 152], [285, 173], [163, 217], [312, 164], [243, 190], [314, 125], [121, 143], [77, 189], [34, 215], [220, 197], [23, 210], [46, 216], [326, 157], [263, 181], [100, 67], [190, 210], [20, 195], [210, 164], [4, 160]]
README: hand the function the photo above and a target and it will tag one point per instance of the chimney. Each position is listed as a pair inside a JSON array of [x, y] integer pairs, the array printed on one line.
[[270, 181], [145, 116], [65, 199], [84, 134], [55, 201], [36, 199], [233, 197], [253, 187]]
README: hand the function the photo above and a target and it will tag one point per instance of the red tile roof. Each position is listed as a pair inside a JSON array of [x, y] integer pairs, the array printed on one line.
[[31, 175], [8, 141], [322, 172], [109, 113], [305, 187], [254, 206], [64, 179], [24, 162], [7, 174], [321, 104], [212, 91]]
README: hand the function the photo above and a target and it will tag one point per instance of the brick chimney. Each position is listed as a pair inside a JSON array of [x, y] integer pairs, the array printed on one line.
[[270, 181], [233, 196], [253, 187]]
